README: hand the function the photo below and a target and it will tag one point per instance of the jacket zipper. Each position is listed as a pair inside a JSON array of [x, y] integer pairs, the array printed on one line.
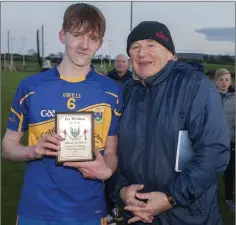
[[146, 134]]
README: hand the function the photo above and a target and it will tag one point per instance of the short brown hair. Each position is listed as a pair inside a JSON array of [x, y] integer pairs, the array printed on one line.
[[81, 14], [221, 72]]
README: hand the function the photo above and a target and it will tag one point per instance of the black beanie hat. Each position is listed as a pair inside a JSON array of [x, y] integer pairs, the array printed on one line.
[[151, 30]]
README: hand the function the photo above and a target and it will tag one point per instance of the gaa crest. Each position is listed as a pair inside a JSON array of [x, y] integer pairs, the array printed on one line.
[[98, 115], [75, 132]]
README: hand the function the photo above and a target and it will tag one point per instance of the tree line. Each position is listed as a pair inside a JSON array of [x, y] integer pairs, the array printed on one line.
[[218, 59]]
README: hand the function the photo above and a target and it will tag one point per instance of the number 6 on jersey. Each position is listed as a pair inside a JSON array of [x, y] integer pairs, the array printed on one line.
[[71, 103]]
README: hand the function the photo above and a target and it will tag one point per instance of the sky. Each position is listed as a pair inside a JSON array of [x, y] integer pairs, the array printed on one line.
[[196, 27]]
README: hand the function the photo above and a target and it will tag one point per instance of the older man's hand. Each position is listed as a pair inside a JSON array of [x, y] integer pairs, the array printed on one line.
[[128, 196], [157, 202]]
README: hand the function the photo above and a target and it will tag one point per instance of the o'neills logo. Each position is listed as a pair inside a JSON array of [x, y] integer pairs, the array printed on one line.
[[98, 137]]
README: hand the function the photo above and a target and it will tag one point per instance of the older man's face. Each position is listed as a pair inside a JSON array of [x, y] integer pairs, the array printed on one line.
[[121, 64], [148, 57]]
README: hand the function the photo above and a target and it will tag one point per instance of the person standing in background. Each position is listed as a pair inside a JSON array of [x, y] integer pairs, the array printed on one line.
[[223, 81], [120, 73]]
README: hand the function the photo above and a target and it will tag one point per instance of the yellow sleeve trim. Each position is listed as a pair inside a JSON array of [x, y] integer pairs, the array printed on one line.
[[17, 114], [116, 96], [116, 113], [21, 121], [99, 73], [93, 106], [26, 96]]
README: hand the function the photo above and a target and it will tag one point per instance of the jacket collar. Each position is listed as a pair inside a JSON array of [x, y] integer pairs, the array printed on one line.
[[163, 74], [115, 75], [228, 94]]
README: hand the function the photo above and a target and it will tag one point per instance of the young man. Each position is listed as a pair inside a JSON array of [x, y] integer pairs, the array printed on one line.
[[46, 65], [223, 82], [74, 192], [171, 99]]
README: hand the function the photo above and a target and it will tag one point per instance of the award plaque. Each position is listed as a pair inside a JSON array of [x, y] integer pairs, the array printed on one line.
[[77, 129]]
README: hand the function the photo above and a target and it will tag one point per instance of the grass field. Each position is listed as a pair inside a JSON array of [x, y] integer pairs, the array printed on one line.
[[207, 67], [12, 173]]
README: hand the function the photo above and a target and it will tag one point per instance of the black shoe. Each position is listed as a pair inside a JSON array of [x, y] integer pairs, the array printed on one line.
[[116, 214]]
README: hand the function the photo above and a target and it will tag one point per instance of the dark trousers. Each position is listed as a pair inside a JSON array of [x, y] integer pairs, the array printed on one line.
[[110, 192], [229, 175]]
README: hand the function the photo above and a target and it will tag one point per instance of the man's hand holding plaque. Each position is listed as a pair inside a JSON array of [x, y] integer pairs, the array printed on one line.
[[77, 149], [48, 145], [96, 169]]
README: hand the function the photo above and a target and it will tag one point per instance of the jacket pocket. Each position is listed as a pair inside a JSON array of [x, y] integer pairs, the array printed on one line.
[[199, 210], [204, 203], [196, 208]]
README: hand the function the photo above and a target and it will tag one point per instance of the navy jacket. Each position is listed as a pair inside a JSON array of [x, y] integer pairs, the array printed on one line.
[[197, 65], [179, 97], [121, 80]]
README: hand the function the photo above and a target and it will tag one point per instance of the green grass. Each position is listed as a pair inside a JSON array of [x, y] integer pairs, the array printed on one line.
[[12, 173], [31, 67], [208, 67]]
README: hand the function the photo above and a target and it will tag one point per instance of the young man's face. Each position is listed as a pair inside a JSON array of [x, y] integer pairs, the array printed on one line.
[[148, 57], [223, 82], [79, 47]]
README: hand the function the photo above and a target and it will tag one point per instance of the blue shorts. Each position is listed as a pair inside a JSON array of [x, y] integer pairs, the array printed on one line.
[[21, 220]]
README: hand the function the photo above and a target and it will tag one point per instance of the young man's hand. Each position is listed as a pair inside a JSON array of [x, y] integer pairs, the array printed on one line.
[[96, 169], [48, 145]]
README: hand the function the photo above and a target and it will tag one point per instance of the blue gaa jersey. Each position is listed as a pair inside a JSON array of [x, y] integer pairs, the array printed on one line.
[[55, 192]]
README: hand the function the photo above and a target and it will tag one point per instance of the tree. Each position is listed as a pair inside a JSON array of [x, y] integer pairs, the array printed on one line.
[[100, 57], [32, 52], [51, 55], [107, 57], [205, 58], [60, 55]]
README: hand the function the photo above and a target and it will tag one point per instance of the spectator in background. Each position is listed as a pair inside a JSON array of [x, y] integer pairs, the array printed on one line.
[[223, 82], [121, 72], [231, 89], [121, 75], [46, 64], [59, 61], [232, 86], [175, 58]]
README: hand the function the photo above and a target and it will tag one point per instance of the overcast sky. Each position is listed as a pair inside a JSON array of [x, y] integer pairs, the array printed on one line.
[[200, 27]]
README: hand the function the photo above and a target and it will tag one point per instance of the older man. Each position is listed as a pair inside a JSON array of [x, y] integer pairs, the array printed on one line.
[[120, 74], [173, 136]]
